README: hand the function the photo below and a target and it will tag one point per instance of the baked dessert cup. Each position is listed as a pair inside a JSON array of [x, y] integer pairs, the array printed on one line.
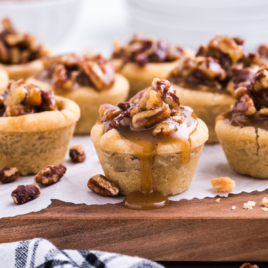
[[20, 54], [175, 155], [94, 83], [3, 80], [206, 105], [243, 131], [141, 60], [207, 82], [34, 135]]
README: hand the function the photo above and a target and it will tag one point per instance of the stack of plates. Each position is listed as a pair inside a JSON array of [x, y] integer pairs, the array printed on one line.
[[193, 22]]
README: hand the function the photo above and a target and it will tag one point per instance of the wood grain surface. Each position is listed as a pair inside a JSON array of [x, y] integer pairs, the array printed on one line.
[[195, 230]]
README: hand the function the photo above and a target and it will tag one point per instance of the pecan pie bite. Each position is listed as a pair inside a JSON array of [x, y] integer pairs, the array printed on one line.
[[143, 59], [35, 127], [89, 81], [149, 147], [243, 131], [207, 82], [20, 53]]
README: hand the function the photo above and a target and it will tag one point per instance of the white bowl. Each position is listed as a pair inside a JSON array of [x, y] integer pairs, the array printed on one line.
[[49, 20]]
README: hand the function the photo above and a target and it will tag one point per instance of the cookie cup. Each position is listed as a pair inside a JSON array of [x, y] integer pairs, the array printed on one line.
[[89, 100], [33, 141], [246, 148], [24, 70], [206, 105], [3, 79], [122, 166]]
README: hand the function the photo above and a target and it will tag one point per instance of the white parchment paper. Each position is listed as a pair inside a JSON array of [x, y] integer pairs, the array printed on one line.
[[73, 186]]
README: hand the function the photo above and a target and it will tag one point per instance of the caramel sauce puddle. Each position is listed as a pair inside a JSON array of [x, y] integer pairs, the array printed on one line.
[[144, 144]]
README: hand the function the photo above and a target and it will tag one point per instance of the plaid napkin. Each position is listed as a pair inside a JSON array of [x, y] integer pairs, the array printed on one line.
[[40, 253]]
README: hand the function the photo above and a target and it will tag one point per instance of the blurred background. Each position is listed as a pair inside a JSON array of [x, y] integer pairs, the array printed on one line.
[[78, 25]]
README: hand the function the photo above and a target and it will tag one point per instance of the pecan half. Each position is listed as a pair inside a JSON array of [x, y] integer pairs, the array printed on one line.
[[9, 174], [25, 193], [164, 129], [147, 119], [50, 174], [77, 153], [100, 185]]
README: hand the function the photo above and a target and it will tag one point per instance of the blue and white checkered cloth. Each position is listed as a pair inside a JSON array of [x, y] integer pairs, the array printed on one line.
[[40, 253]]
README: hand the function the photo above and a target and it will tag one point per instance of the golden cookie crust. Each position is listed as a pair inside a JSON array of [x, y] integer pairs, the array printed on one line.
[[89, 100], [24, 70], [122, 166], [245, 148], [206, 105], [33, 141]]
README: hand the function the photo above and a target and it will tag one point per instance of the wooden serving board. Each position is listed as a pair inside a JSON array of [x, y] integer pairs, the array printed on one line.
[[195, 230]]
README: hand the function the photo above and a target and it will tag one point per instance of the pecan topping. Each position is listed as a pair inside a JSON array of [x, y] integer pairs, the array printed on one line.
[[100, 185], [77, 153], [141, 51], [241, 76], [226, 50], [68, 72], [252, 101], [21, 99], [23, 194], [202, 72], [8, 174], [156, 107], [50, 174], [17, 48]]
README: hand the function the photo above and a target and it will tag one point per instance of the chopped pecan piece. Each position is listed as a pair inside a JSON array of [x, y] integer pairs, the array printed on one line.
[[100, 185], [50, 174], [246, 105], [16, 96], [147, 119], [35, 97], [25, 193], [77, 153], [9, 174], [17, 110], [164, 129]]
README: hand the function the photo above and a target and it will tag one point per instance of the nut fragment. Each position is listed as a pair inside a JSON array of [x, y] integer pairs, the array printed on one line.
[[77, 153], [164, 129], [100, 185], [50, 174], [149, 118], [9, 174], [34, 98], [16, 96], [24, 193], [223, 184]]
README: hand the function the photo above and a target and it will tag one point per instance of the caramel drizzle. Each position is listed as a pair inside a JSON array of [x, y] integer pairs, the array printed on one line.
[[145, 146]]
